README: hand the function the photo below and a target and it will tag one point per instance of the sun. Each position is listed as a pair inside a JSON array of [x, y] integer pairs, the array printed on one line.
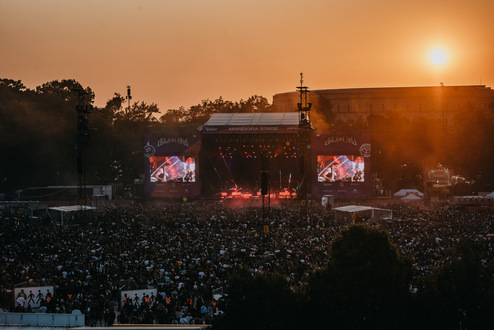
[[438, 57]]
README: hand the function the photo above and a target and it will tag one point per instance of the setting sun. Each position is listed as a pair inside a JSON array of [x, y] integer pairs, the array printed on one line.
[[438, 57], [198, 50]]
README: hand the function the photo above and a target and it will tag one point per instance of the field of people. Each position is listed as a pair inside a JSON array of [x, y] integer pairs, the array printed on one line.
[[187, 251]]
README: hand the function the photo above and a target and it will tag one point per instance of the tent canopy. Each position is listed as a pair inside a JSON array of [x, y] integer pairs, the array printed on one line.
[[61, 214], [72, 208], [354, 208], [406, 192], [360, 210], [411, 197]]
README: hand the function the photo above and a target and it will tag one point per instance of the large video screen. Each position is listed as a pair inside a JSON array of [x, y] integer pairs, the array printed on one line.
[[172, 169], [340, 168]]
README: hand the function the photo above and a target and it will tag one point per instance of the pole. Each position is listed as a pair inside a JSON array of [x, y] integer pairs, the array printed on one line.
[[83, 109], [305, 145]]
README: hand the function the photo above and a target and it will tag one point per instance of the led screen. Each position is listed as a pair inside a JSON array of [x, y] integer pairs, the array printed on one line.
[[172, 169], [340, 168]]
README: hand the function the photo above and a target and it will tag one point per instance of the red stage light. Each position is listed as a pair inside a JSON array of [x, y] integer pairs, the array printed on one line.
[[236, 194]]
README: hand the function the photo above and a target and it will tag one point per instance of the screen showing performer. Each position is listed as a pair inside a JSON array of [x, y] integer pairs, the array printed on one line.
[[172, 169], [337, 168]]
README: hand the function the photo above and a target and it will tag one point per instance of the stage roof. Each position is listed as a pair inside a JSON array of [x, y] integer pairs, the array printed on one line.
[[235, 119], [277, 122]]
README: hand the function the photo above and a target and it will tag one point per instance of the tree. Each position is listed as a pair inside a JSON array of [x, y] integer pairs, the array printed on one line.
[[129, 126], [39, 133], [403, 148], [365, 284], [142, 113], [470, 140], [260, 301], [199, 114], [113, 107], [101, 149], [255, 104], [15, 85], [174, 116], [459, 293], [66, 90]]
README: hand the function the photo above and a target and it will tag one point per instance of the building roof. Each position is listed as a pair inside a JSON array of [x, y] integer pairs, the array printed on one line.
[[413, 91]]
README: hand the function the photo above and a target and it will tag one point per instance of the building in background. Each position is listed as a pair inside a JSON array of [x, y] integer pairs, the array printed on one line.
[[440, 102]]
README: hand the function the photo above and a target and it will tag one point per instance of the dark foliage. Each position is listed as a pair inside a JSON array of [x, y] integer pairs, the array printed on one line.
[[365, 284], [260, 301], [39, 133], [460, 292], [39, 128]]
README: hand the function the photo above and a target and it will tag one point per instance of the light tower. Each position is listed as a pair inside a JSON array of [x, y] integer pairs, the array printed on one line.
[[265, 192], [128, 97], [83, 109], [305, 145]]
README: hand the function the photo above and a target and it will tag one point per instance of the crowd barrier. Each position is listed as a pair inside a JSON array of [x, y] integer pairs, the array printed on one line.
[[71, 320]]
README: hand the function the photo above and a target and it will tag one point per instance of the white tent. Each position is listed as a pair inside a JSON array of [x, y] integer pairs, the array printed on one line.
[[406, 192], [411, 197], [364, 212], [490, 195], [63, 214]]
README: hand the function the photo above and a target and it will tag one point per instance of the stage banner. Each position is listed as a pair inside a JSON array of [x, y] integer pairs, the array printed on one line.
[[256, 129], [33, 296], [171, 163], [138, 297], [341, 161]]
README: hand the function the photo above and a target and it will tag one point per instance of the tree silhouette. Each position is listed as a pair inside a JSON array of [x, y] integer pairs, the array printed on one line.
[[260, 301], [39, 133], [365, 284], [459, 293]]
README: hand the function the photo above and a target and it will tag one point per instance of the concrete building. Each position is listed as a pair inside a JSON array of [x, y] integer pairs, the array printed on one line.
[[436, 102]]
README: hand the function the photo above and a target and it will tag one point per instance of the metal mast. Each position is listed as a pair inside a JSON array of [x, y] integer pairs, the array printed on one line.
[[128, 97], [305, 145], [83, 109], [265, 191]]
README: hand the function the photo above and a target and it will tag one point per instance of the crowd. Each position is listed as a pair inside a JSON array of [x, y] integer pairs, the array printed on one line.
[[429, 234], [187, 252]]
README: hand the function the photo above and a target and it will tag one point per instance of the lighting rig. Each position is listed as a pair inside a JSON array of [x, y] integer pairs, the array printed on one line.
[[305, 145], [83, 109]]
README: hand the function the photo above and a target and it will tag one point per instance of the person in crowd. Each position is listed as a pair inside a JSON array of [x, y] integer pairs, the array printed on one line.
[[188, 253]]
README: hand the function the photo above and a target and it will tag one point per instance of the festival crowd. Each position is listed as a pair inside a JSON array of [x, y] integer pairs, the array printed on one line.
[[187, 251]]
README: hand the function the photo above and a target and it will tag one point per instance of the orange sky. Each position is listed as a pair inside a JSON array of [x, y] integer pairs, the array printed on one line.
[[177, 53]]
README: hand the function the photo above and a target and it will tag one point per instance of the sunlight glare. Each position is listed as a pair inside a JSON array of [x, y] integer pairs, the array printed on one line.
[[438, 57]]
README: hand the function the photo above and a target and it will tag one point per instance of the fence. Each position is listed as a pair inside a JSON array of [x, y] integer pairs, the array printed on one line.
[[70, 320]]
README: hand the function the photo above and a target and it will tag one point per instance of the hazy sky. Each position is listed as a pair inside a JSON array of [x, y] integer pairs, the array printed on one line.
[[177, 53]]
